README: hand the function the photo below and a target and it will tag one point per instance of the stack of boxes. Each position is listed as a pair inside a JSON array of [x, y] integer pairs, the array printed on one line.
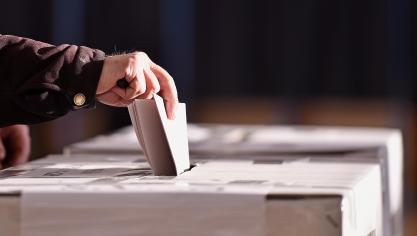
[[247, 180]]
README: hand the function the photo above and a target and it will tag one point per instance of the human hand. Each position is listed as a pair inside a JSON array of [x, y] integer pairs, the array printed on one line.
[[14, 145], [144, 78]]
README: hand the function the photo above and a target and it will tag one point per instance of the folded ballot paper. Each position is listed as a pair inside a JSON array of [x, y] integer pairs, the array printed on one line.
[[164, 141]]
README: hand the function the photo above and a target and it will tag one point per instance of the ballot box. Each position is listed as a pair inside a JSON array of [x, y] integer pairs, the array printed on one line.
[[243, 141], [119, 195], [227, 139], [124, 141]]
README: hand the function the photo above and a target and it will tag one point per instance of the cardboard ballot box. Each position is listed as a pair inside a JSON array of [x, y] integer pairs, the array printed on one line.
[[226, 139], [125, 141], [106, 195], [244, 141]]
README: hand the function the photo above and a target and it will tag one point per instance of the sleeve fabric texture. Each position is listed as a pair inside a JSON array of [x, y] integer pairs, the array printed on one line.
[[38, 81]]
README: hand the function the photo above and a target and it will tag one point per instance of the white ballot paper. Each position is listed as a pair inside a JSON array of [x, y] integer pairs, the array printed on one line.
[[164, 141]]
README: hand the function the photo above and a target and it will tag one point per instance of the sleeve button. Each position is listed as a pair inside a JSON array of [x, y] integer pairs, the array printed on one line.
[[79, 99], [83, 58]]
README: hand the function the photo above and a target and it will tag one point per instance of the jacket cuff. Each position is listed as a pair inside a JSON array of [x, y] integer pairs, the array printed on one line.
[[88, 65]]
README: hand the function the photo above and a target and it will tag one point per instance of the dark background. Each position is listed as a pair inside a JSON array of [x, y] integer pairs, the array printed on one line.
[[326, 62], [288, 48]]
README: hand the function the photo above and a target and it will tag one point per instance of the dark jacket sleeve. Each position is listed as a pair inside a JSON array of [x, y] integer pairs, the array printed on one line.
[[39, 81]]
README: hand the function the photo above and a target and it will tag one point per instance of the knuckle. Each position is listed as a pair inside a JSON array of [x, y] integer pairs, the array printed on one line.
[[140, 53], [136, 55], [132, 60]]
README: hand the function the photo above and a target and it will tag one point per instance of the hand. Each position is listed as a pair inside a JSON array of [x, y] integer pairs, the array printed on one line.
[[14, 145], [144, 77]]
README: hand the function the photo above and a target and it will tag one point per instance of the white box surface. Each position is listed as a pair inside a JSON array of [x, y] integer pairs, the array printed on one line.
[[100, 195], [243, 141]]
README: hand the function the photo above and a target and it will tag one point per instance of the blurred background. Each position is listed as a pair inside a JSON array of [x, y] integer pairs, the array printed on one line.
[[321, 62]]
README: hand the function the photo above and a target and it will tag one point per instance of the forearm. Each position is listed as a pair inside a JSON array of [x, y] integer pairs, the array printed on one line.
[[38, 81]]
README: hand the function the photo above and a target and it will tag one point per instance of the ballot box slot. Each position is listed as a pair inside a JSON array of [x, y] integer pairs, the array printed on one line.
[[11, 194], [191, 167], [294, 197], [271, 161], [268, 161]]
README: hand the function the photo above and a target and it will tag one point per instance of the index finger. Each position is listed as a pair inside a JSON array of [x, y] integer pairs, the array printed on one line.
[[168, 90]]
